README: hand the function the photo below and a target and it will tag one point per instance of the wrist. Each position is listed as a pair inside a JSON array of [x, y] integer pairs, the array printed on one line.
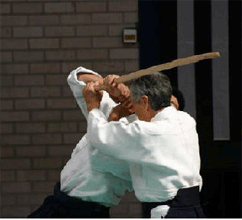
[[91, 107]]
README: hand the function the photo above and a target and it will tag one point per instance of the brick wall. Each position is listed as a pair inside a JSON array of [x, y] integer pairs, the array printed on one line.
[[41, 42]]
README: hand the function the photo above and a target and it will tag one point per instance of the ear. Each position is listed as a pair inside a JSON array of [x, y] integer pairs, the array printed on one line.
[[145, 102]]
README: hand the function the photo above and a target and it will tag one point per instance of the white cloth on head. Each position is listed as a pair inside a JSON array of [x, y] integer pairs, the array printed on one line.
[[79, 177], [163, 154]]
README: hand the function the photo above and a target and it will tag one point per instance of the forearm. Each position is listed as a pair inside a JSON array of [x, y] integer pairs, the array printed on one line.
[[77, 80], [88, 77], [120, 111], [118, 139]]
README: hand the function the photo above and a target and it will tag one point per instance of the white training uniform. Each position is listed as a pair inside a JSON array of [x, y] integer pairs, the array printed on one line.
[[79, 178], [163, 153]]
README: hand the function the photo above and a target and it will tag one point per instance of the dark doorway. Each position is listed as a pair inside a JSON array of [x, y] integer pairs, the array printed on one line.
[[221, 160]]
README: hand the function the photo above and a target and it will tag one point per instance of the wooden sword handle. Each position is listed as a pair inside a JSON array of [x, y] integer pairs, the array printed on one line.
[[165, 66]]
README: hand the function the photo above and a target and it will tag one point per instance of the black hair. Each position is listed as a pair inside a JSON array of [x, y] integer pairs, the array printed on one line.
[[180, 98]]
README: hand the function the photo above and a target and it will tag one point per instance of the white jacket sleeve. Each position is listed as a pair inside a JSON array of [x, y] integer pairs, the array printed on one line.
[[106, 105], [76, 88], [118, 139], [100, 161]]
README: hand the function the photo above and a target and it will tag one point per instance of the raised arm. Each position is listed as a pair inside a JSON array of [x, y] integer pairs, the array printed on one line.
[[120, 140], [89, 77], [77, 80]]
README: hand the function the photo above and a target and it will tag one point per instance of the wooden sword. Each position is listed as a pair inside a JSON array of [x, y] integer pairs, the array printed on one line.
[[164, 66]]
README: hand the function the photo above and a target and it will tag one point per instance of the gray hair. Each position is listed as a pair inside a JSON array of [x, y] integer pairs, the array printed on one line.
[[156, 86]]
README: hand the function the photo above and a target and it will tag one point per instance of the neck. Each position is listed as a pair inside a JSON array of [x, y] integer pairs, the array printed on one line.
[[153, 113]]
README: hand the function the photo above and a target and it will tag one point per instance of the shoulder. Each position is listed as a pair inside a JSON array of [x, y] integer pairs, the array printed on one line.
[[187, 118]]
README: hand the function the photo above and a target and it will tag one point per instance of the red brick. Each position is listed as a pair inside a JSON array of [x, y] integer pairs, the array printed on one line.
[[30, 104], [61, 127], [59, 31], [27, 8], [92, 54], [27, 31], [124, 53], [91, 6], [6, 105], [14, 116], [73, 115], [123, 6], [59, 7], [17, 92], [15, 139], [63, 103], [60, 151], [43, 20], [6, 128], [65, 159], [76, 19], [129, 198], [131, 66], [6, 80], [56, 80], [15, 212], [35, 207], [30, 128], [93, 30], [76, 42], [53, 175], [45, 68], [5, 57], [7, 175], [46, 139], [119, 209], [83, 127], [7, 152], [27, 199], [66, 92], [31, 175], [28, 56], [108, 67], [46, 43], [12, 20], [6, 32], [43, 187], [15, 164], [31, 151], [131, 17], [67, 67], [72, 138], [61, 55], [29, 80], [5, 9], [14, 68], [107, 18], [47, 91], [8, 200], [135, 209], [13, 44], [107, 42], [46, 116], [47, 163]]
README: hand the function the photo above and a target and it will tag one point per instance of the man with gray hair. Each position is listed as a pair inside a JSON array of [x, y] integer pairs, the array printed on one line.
[[161, 147]]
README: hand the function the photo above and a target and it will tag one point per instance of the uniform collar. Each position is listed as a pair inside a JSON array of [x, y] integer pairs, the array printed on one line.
[[164, 113]]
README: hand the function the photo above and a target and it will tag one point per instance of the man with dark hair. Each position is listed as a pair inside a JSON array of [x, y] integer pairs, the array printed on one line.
[[161, 147], [177, 99]]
